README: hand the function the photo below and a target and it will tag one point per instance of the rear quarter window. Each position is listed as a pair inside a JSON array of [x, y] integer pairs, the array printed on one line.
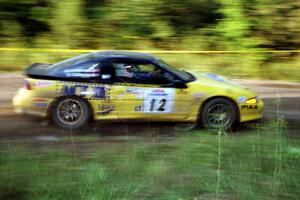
[[88, 69]]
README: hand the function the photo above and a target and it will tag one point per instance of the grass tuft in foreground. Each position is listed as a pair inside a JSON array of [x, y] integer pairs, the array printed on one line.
[[256, 164]]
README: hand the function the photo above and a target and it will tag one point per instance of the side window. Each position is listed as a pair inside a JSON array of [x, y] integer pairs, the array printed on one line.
[[147, 68], [141, 72], [89, 71], [85, 70]]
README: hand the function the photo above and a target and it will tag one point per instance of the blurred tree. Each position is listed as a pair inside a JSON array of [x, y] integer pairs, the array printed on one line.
[[234, 29], [157, 24], [230, 24], [274, 22], [68, 24], [185, 16], [23, 19]]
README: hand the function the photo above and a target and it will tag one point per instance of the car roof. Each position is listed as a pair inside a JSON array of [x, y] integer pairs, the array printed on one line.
[[124, 54]]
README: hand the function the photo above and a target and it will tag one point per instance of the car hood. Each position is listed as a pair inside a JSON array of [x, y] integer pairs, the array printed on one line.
[[216, 82]]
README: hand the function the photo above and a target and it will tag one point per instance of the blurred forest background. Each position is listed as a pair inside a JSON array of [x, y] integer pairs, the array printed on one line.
[[206, 25]]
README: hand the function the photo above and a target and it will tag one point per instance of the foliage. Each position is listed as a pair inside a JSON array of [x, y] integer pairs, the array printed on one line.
[[158, 24]]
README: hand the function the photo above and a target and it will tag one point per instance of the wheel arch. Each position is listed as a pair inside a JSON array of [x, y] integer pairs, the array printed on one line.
[[50, 107]]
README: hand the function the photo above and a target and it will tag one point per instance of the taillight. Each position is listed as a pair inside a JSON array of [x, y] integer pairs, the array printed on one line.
[[27, 85]]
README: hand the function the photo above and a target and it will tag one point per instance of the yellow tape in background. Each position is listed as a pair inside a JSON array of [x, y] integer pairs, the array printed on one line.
[[45, 50]]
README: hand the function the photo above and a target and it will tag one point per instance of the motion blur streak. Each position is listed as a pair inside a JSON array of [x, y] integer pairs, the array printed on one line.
[[145, 51]]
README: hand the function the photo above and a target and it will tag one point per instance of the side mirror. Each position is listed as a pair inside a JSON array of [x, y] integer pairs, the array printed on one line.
[[179, 84]]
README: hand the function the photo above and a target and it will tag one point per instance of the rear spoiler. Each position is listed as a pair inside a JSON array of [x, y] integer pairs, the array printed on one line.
[[39, 69], [42, 71]]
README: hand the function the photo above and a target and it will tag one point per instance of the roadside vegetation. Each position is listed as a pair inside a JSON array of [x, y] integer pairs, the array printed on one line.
[[257, 163], [209, 25]]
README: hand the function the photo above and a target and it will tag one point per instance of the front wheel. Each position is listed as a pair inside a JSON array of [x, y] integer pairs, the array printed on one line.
[[219, 113], [70, 112]]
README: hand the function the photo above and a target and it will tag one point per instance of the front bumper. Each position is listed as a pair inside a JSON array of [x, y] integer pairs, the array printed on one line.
[[249, 112]]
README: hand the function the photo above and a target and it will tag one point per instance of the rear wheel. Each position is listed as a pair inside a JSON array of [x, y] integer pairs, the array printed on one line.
[[219, 113], [70, 113]]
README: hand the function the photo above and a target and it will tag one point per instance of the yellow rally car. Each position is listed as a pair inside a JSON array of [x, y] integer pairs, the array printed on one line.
[[119, 85]]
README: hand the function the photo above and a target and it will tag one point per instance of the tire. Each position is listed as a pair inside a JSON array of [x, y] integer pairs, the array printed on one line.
[[219, 113], [70, 113]]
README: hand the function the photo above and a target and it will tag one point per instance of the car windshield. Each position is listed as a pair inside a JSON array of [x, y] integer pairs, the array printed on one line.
[[181, 74]]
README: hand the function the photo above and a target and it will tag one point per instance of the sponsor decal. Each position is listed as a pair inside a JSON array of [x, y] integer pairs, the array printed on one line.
[[138, 108], [158, 92], [248, 107], [105, 76], [82, 72], [241, 99], [90, 70], [133, 90], [81, 75], [106, 107], [97, 92], [86, 93], [39, 99], [100, 92], [40, 102], [198, 95], [42, 84], [216, 77], [40, 105]]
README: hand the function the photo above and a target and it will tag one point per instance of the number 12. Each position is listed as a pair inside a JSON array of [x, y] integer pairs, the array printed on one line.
[[161, 106]]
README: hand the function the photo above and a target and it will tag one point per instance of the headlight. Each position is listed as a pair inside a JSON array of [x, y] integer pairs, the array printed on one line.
[[252, 100]]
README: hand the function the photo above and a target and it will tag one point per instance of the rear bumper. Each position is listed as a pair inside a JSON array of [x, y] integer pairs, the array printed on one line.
[[24, 102]]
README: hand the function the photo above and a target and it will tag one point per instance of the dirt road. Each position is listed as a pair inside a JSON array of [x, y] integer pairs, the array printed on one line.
[[282, 100]]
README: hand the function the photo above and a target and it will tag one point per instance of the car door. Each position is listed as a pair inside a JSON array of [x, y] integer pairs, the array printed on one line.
[[142, 96], [167, 103]]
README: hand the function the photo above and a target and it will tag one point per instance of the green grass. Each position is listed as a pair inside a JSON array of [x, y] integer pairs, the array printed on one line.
[[260, 163]]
